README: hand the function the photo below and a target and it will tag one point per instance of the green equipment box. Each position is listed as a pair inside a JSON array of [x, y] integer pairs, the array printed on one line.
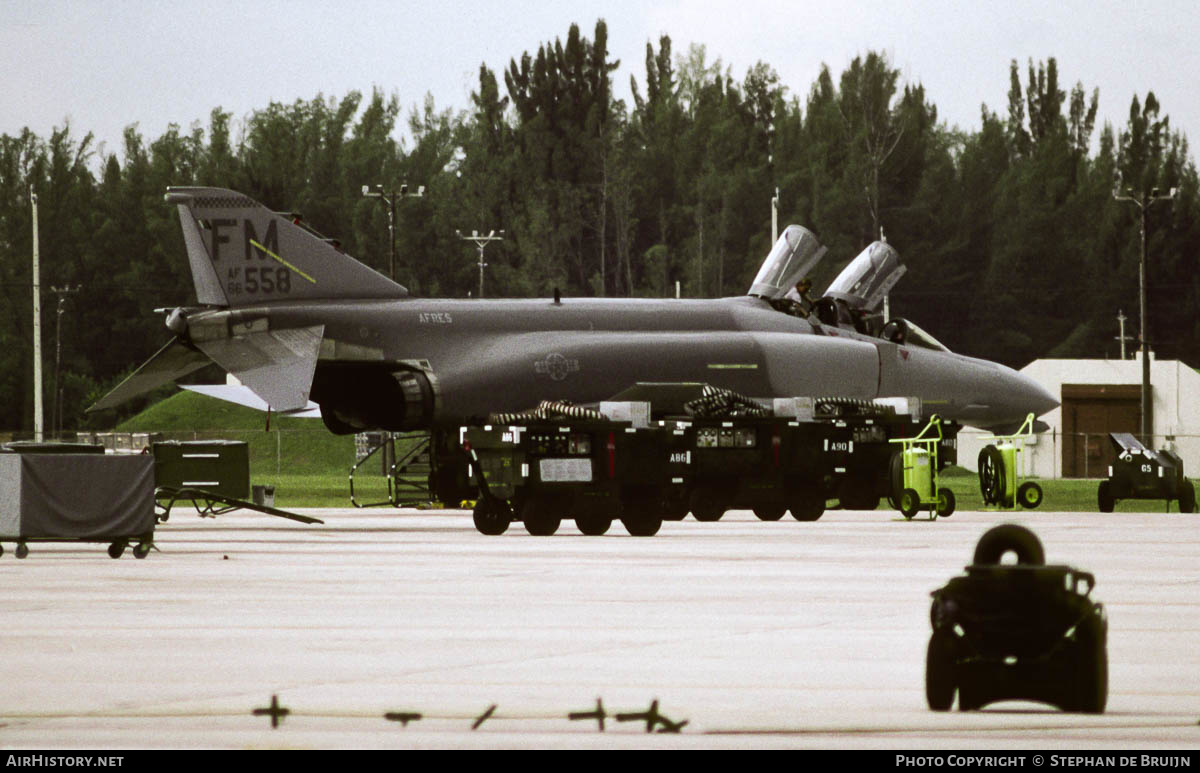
[[219, 467]]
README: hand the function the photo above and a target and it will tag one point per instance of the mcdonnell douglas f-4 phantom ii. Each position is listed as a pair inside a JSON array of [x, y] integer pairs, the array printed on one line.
[[295, 319]]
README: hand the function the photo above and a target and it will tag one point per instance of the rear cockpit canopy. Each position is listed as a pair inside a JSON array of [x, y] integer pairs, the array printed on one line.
[[865, 281], [790, 260]]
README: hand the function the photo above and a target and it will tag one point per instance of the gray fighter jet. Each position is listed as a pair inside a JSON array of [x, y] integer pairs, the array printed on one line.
[[295, 318]]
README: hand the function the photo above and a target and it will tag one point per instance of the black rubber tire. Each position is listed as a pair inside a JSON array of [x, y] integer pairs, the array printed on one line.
[[896, 478], [1090, 668], [642, 526], [940, 684], [593, 525], [539, 517], [141, 550], [857, 494], [946, 503], [1006, 538], [991, 475], [491, 517], [116, 549], [771, 512], [807, 505], [1029, 495], [1187, 497], [22, 550], [1104, 497], [910, 503], [708, 512]]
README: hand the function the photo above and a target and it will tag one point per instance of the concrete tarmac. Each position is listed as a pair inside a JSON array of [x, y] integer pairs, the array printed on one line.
[[758, 635]]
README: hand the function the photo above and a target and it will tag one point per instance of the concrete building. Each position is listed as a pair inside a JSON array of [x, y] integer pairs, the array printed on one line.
[[1099, 397]]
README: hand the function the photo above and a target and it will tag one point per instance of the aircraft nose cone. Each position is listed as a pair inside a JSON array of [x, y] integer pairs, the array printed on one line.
[[1031, 397]]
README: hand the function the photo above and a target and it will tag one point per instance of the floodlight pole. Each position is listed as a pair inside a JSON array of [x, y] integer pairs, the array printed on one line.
[[1144, 203], [38, 417], [391, 197], [481, 241]]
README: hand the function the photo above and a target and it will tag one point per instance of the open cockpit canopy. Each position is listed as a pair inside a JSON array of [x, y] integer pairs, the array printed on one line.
[[790, 260], [868, 278]]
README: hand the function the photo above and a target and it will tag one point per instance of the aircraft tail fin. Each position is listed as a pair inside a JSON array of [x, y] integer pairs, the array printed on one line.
[[242, 253]]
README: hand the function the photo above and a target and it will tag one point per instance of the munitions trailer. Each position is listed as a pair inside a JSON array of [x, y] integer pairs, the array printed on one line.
[[1140, 473]]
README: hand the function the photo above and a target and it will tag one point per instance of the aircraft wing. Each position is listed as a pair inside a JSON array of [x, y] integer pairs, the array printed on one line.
[[241, 395], [171, 362], [277, 365]]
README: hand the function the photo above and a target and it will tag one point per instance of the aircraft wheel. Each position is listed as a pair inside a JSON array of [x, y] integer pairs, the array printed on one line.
[[1187, 498], [1029, 495], [991, 475], [22, 550], [491, 516], [1105, 501], [117, 549], [593, 525], [945, 503], [808, 505], [1006, 538], [771, 512], [910, 503], [939, 672], [539, 517]]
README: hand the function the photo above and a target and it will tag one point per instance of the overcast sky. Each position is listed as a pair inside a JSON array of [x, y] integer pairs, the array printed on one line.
[[105, 64]]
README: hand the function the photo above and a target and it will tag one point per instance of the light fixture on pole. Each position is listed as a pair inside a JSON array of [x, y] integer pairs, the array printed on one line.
[[1144, 203], [391, 197], [481, 241]]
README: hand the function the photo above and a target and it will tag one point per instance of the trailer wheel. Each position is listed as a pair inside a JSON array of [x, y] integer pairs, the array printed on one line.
[[1089, 692], [939, 672], [945, 503], [1105, 501], [1010, 538], [1187, 497], [491, 516], [910, 503], [117, 549], [539, 517], [22, 550], [641, 524], [593, 525], [771, 512], [706, 505], [808, 505], [141, 550], [991, 475], [1029, 495], [896, 478]]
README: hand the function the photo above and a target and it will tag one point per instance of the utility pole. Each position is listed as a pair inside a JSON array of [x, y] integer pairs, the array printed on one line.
[[38, 417], [1144, 203], [56, 416], [481, 241], [390, 198]]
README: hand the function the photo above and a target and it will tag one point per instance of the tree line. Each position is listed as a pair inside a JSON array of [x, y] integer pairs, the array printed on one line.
[[1016, 246]]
